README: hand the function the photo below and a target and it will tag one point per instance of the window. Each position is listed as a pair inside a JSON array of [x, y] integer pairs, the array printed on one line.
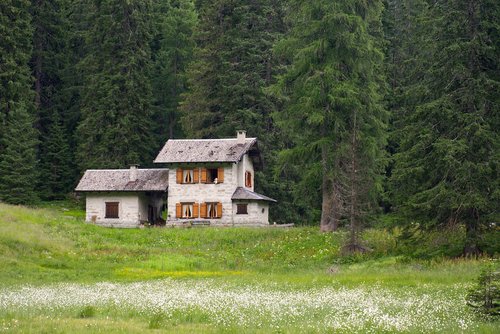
[[187, 176], [211, 210], [187, 210], [248, 179], [111, 210], [212, 175], [241, 209]]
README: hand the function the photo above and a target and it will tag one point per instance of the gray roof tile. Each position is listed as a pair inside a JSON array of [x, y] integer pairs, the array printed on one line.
[[119, 180], [244, 194], [204, 150]]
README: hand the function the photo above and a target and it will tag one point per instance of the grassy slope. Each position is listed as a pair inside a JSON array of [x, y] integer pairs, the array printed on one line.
[[49, 245], [52, 245]]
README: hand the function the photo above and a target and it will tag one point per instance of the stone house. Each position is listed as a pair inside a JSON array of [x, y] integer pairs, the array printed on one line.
[[208, 181]]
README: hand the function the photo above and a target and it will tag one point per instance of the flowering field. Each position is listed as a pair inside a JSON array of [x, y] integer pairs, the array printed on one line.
[[231, 307]]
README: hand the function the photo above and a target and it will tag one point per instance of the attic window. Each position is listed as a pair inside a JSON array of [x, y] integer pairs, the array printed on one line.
[[111, 210]]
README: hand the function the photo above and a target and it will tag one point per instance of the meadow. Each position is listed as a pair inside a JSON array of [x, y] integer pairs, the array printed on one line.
[[61, 275]]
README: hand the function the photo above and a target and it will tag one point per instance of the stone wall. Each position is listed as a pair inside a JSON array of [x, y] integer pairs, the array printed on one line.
[[128, 209], [258, 213]]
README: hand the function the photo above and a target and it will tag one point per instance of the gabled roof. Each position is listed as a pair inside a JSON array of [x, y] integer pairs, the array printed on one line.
[[206, 150], [244, 194], [119, 180]]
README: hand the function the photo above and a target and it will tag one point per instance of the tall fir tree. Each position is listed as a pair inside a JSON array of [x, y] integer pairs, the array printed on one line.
[[233, 63], [446, 170], [116, 127], [333, 111], [172, 51], [18, 138], [48, 63]]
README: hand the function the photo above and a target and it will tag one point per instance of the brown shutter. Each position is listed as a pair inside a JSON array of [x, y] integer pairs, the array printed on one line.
[[220, 175], [178, 210], [179, 175], [203, 175], [203, 210], [196, 209], [219, 210], [196, 175]]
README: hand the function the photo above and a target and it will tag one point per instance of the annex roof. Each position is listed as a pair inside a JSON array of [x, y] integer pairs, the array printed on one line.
[[244, 194], [207, 150], [123, 180]]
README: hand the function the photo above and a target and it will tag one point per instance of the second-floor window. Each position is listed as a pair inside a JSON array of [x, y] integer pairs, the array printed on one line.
[[248, 179], [187, 176]]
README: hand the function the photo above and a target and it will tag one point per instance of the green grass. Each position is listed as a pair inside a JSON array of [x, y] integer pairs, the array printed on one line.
[[51, 245]]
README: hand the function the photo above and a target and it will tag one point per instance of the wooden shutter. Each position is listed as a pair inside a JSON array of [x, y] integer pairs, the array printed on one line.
[[179, 175], [203, 175], [203, 210], [219, 210], [220, 174], [196, 210], [196, 175], [111, 210], [248, 179], [178, 210]]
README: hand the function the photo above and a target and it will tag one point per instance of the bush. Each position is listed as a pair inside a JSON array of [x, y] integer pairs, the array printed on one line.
[[485, 296]]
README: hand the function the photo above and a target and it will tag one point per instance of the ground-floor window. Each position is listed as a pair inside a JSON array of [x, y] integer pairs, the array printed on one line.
[[187, 210], [211, 210], [111, 210], [242, 209]]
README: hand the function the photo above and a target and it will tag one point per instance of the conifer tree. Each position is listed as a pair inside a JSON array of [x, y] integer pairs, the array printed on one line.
[[116, 126], [333, 111], [447, 169], [49, 62], [56, 174], [18, 138], [172, 52], [233, 63], [18, 158]]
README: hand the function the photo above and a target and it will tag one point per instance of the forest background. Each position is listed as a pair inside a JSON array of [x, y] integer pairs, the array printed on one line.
[[367, 112]]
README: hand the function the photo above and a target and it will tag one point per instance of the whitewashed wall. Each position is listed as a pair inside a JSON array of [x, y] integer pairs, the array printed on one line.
[[128, 209], [234, 176], [202, 192], [258, 213]]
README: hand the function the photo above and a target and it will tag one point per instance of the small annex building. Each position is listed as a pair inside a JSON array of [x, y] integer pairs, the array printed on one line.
[[206, 181], [124, 197]]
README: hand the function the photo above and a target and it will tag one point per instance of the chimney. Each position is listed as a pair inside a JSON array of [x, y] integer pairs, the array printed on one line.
[[133, 173], [241, 135]]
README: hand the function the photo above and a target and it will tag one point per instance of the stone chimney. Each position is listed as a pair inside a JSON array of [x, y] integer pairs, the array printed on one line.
[[241, 135], [133, 173]]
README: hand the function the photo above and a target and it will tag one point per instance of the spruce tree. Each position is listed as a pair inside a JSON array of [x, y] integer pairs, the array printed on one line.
[[116, 126], [233, 63], [333, 112], [18, 158], [18, 138], [172, 51], [446, 171], [49, 63]]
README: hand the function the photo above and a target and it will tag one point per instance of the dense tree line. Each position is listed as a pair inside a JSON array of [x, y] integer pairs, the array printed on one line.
[[361, 107]]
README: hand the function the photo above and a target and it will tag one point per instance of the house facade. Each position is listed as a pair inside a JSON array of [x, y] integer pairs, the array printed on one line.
[[207, 181], [212, 181]]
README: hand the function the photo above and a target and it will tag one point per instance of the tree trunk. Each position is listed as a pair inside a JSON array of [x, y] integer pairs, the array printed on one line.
[[471, 248], [327, 224]]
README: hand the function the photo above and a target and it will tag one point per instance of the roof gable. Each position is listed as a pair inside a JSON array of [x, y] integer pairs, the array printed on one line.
[[205, 150], [120, 180]]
